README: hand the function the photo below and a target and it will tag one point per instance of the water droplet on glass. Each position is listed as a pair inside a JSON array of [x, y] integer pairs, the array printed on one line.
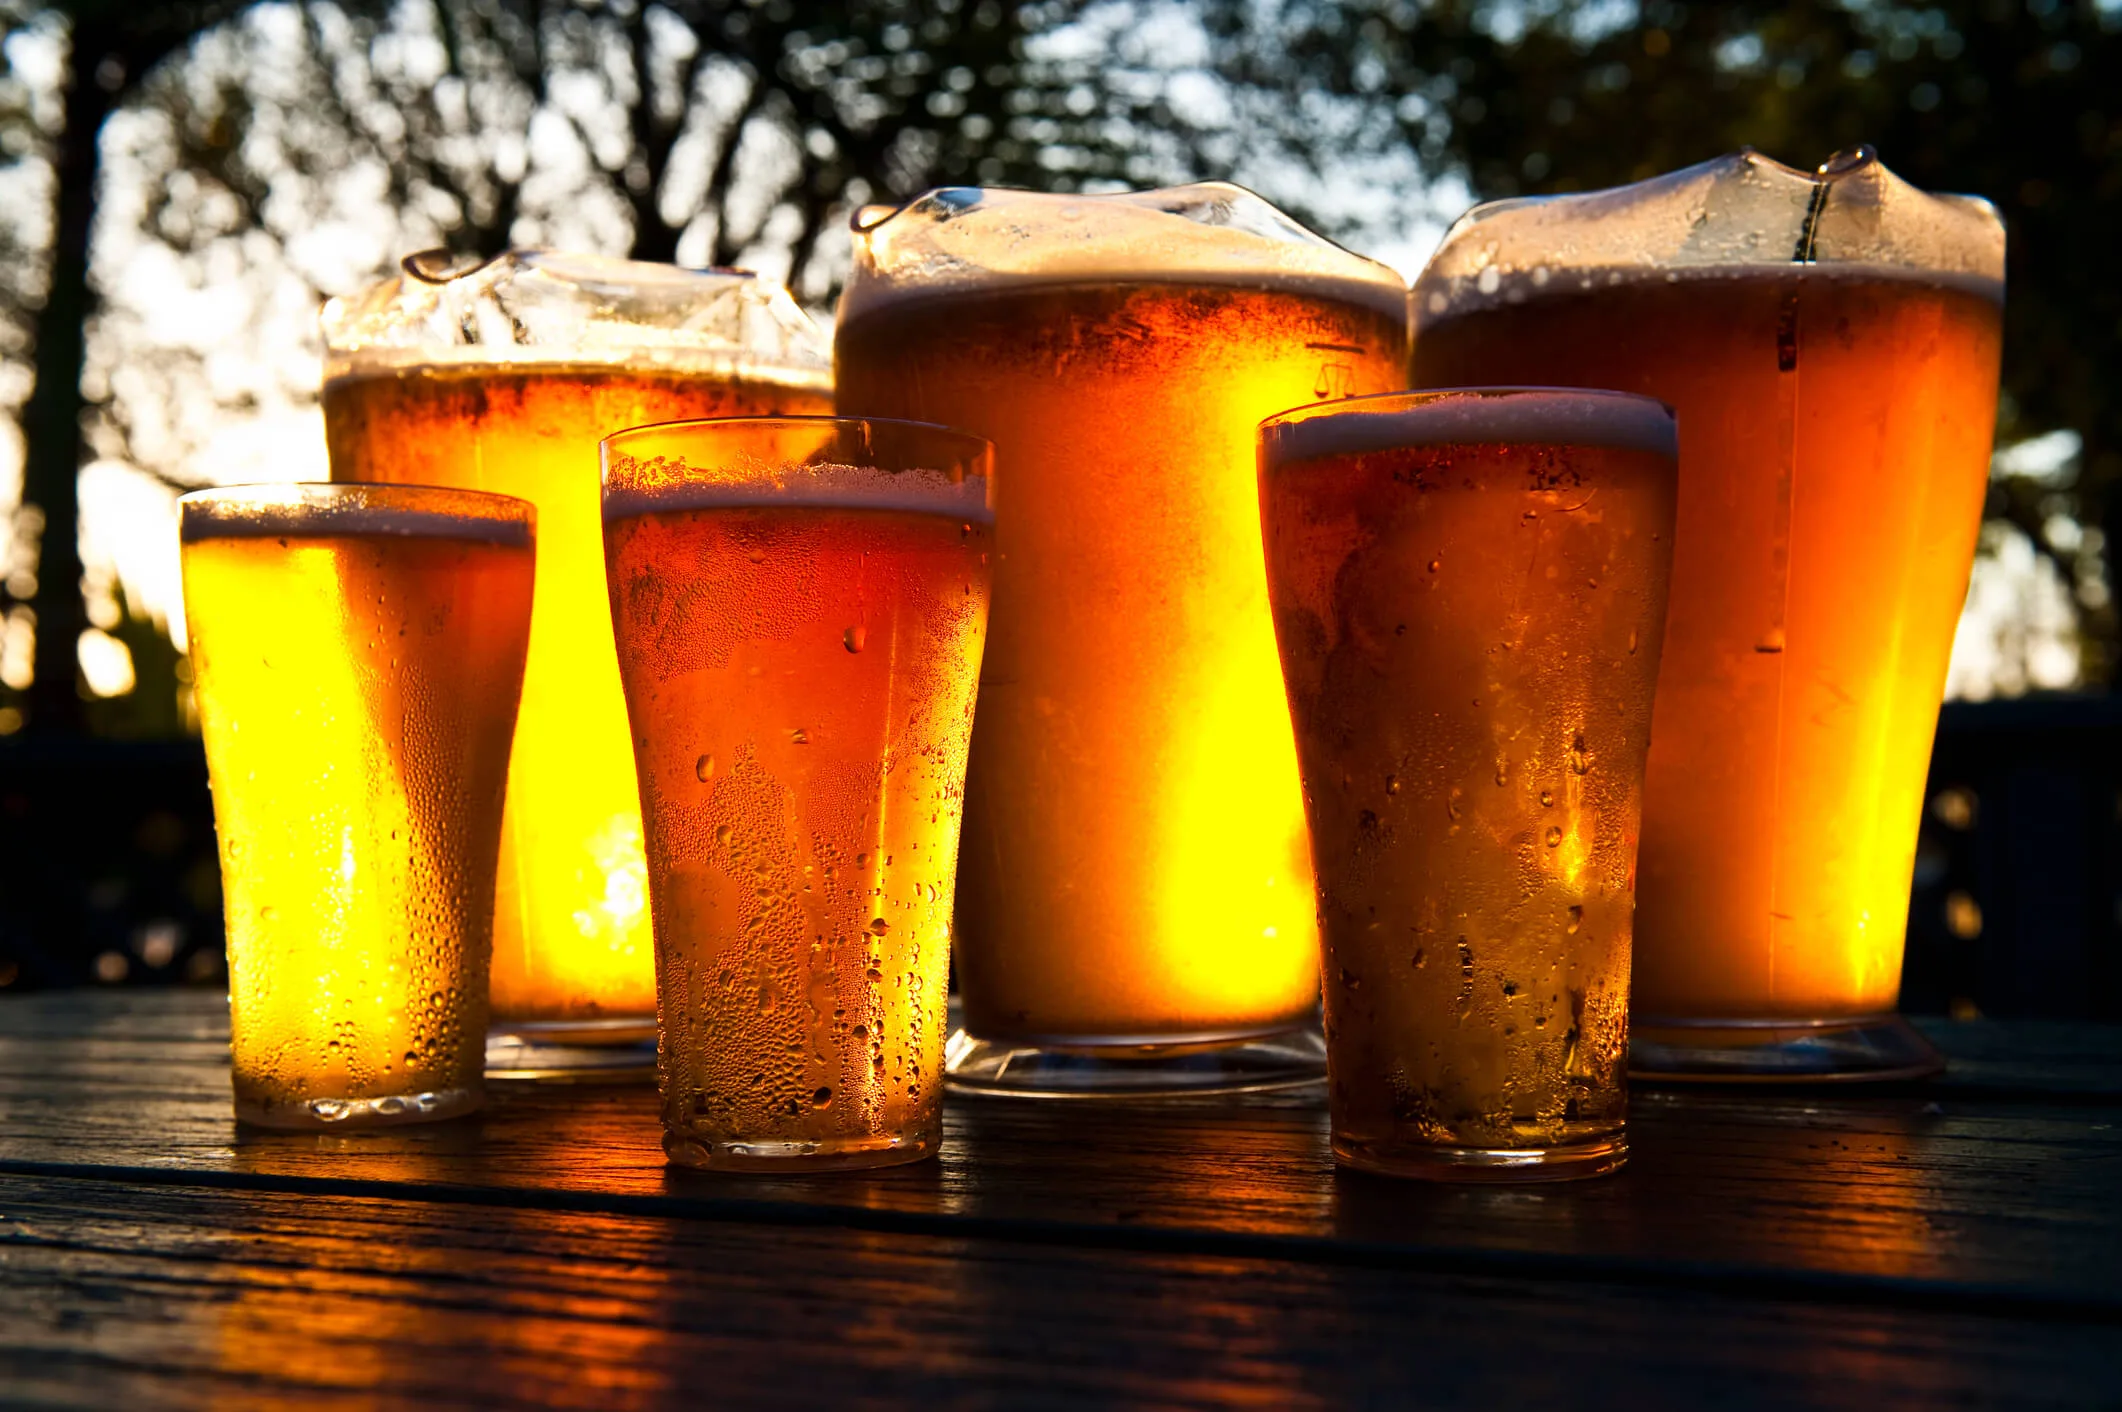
[[1547, 799], [1576, 919], [799, 736], [703, 768], [1554, 836], [1502, 772], [1579, 761], [853, 638], [822, 1098], [878, 927], [1631, 642], [1451, 803], [722, 833], [1392, 784], [1435, 564], [268, 914]]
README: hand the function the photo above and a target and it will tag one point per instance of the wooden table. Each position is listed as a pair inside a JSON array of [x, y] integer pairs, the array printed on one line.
[[1953, 1243]]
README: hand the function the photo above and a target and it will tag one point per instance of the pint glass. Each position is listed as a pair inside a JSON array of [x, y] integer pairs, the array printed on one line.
[[1136, 911], [359, 650], [799, 605], [1469, 590], [1830, 341], [505, 378]]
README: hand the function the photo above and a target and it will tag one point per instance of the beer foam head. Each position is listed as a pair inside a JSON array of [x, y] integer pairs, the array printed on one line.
[[822, 462], [960, 239], [332, 511], [1732, 215], [541, 306], [1473, 416]]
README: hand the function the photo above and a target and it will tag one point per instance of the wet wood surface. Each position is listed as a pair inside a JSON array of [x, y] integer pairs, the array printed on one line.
[[1953, 1242]]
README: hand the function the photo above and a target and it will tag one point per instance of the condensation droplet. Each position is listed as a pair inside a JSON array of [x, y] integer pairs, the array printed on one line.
[[1631, 642], [1451, 803], [723, 833], [853, 638], [1579, 761], [703, 768], [1435, 564], [1502, 772], [1547, 799], [799, 736], [1554, 836], [1392, 784], [878, 927], [1576, 919]]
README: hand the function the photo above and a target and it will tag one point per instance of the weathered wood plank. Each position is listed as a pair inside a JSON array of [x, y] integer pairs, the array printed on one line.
[[159, 1297], [1921, 1198]]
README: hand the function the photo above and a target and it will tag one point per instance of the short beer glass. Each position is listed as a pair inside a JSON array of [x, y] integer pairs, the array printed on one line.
[[1136, 911], [800, 605], [1830, 340], [1469, 589], [504, 377], [358, 651]]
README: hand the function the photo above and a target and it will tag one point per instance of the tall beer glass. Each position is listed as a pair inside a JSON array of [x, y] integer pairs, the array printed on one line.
[[1469, 592], [359, 650], [800, 605], [1136, 912], [1831, 342], [505, 377]]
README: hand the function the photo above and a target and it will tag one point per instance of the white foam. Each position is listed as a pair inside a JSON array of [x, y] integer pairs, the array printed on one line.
[[1210, 234], [1438, 297], [287, 512], [919, 492], [1555, 416]]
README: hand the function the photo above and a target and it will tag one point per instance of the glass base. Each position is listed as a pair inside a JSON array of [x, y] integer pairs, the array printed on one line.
[[340, 1114], [572, 1051], [1431, 1162], [1866, 1048], [826, 1155], [1161, 1068]]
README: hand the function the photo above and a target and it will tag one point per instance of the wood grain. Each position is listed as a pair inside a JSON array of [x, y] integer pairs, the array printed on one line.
[[1967, 1196], [115, 1295]]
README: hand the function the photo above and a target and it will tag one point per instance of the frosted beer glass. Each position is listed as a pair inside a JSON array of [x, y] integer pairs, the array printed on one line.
[[505, 377], [1135, 909], [359, 650], [1830, 340], [799, 605], [1469, 592]]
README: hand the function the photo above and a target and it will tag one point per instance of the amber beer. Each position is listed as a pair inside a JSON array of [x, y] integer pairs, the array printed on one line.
[[1469, 590], [571, 928], [358, 654], [799, 608], [1136, 868], [1835, 428]]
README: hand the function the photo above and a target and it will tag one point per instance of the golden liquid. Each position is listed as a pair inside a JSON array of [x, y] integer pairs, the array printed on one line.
[[801, 683], [1135, 863], [1470, 635], [1834, 447], [571, 922], [356, 693]]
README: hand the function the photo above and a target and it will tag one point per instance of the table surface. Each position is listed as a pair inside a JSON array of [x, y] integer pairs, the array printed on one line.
[[1957, 1242]]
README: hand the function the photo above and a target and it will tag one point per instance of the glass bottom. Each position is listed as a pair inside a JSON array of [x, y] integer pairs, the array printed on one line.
[[340, 1114], [572, 1051], [1861, 1049], [1431, 1162], [825, 1155], [1159, 1068]]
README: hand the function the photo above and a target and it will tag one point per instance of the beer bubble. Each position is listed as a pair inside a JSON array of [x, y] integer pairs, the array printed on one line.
[[704, 768], [853, 638], [1554, 836]]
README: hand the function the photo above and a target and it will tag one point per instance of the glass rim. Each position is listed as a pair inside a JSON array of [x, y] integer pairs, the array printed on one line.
[[890, 463], [272, 509], [1480, 415]]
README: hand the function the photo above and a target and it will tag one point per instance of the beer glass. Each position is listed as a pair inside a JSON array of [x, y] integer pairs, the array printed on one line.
[[358, 650], [1469, 590], [505, 377], [1830, 340], [1136, 911], [799, 605]]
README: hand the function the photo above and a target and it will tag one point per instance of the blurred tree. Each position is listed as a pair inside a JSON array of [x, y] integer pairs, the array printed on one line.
[[2016, 100]]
